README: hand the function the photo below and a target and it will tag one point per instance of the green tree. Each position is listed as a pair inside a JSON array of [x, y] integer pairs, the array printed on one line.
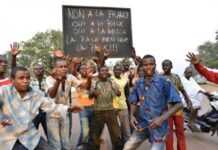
[[38, 48], [209, 53]]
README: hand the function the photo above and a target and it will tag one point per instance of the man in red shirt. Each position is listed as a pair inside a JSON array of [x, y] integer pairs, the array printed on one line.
[[208, 74], [4, 63], [3, 67]]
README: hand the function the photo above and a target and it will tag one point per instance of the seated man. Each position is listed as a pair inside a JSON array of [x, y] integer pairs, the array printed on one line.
[[19, 105], [194, 91]]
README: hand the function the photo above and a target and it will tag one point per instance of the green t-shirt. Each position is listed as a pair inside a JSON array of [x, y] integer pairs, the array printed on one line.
[[105, 100]]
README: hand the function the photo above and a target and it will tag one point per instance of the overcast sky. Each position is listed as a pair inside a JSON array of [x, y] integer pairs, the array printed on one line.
[[163, 28]]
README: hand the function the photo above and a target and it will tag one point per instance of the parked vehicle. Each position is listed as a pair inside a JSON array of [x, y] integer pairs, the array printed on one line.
[[207, 122]]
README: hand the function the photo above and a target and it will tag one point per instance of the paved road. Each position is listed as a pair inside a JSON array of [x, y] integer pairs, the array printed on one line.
[[195, 141]]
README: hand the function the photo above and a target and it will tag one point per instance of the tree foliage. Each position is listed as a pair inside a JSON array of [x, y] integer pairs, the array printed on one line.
[[209, 53], [38, 48]]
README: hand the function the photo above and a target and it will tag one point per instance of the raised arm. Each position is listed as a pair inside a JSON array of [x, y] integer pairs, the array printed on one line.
[[14, 52], [208, 74], [137, 59]]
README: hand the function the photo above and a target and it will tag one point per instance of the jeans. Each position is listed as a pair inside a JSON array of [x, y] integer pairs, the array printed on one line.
[[85, 121], [58, 133], [138, 137]]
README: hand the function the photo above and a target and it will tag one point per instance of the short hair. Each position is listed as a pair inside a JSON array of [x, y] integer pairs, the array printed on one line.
[[188, 67], [167, 60], [16, 69], [104, 66], [58, 60], [117, 65], [149, 56]]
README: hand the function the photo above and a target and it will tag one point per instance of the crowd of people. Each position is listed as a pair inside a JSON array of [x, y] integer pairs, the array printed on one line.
[[135, 103]]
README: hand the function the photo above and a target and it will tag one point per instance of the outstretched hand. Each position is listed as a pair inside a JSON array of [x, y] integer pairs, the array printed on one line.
[[14, 49], [133, 53], [107, 53], [192, 58]]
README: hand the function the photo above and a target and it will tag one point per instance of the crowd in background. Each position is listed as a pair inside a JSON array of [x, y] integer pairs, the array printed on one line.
[[136, 103]]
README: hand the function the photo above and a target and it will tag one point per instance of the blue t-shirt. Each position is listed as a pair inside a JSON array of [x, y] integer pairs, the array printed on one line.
[[153, 98]]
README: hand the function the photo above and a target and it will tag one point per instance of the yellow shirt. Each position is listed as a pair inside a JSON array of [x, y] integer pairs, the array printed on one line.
[[119, 102]]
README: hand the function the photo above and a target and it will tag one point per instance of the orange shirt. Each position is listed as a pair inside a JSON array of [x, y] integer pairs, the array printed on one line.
[[82, 95]]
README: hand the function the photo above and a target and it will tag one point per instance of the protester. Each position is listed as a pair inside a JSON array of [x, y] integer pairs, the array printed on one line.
[[4, 64], [38, 82], [154, 93], [14, 52], [137, 59], [3, 68], [61, 86], [20, 104], [195, 93], [120, 104], [104, 90], [132, 78], [177, 119], [82, 95], [208, 74]]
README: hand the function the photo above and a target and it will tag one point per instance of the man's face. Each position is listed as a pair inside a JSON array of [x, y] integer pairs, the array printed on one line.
[[149, 66], [3, 64], [104, 73], [188, 72], [61, 68], [166, 66], [126, 66], [38, 70], [91, 69], [117, 71], [21, 81], [83, 70]]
